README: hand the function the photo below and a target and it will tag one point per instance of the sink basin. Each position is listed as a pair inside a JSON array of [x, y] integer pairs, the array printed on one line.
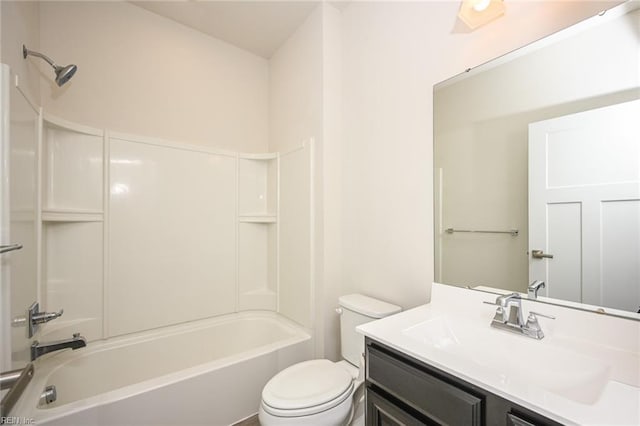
[[515, 358]]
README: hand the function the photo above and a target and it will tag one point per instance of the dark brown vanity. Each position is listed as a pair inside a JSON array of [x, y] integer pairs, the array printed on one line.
[[401, 390]]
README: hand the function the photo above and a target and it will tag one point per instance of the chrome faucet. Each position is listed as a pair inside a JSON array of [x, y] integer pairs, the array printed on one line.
[[38, 349], [509, 310], [509, 317], [534, 287]]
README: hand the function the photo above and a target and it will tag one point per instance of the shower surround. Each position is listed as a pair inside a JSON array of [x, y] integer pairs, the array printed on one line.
[[139, 233], [169, 255]]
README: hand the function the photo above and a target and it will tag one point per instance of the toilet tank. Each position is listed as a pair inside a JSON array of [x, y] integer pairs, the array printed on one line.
[[359, 309]]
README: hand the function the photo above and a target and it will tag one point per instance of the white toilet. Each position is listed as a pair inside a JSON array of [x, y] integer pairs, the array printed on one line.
[[320, 392]]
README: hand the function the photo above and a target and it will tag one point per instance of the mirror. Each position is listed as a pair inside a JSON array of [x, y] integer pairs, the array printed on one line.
[[540, 150]]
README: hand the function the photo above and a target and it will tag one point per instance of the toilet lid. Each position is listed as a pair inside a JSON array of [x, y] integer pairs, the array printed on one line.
[[306, 384]]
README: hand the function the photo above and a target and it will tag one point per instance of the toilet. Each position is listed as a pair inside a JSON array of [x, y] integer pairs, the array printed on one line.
[[320, 392]]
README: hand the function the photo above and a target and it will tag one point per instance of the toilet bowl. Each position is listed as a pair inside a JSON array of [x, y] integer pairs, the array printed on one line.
[[321, 392], [317, 392]]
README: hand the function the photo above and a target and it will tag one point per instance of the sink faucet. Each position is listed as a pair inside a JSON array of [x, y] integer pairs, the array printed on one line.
[[38, 349], [534, 287], [509, 310], [509, 317]]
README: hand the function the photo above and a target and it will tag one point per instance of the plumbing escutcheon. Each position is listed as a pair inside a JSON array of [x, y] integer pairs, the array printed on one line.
[[48, 395]]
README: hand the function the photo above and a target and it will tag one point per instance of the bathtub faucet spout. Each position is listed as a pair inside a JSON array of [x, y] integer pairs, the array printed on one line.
[[38, 349]]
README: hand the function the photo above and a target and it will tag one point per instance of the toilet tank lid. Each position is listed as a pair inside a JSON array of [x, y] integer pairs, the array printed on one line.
[[368, 306]]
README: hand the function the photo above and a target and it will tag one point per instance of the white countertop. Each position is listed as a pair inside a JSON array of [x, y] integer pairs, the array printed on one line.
[[586, 370]]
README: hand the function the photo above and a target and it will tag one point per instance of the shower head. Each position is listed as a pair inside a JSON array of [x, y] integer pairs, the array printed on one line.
[[63, 74]]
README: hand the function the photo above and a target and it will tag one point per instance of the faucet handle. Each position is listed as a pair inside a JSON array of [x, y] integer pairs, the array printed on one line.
[[532, 328], [538, 314], [506, 299], [35, 318], [499, 315], [42, 317]]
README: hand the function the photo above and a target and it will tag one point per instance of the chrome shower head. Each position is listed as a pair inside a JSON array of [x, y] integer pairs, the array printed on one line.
[[63, 74]]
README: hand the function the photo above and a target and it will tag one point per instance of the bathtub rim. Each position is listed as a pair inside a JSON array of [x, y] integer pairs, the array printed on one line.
[[28, 405]]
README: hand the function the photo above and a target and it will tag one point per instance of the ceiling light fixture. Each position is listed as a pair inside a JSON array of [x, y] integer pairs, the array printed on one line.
[[475, 13], [481, 5]]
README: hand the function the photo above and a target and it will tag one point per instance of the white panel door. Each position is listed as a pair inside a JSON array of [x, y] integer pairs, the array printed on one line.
[[584, 206]]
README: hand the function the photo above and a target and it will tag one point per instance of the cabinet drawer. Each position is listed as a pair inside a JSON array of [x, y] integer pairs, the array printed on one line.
[[382, 412], [440, 401]]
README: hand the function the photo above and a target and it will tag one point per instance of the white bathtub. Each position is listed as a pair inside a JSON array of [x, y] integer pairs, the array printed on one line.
[[209, 372]]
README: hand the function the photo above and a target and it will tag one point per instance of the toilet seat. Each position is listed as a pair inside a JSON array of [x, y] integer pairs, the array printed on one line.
[[307, 388]]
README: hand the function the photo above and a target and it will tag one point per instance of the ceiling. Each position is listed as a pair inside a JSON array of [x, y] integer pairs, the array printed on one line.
[[257, 26]]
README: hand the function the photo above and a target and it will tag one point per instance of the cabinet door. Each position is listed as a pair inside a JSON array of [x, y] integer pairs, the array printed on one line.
[[438, 400], [382, 412]]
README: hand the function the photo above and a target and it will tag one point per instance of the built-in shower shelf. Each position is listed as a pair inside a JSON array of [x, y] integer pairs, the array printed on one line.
[[70, 215], [258, 219]]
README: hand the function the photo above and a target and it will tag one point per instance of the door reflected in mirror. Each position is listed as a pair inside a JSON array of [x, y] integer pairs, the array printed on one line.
[[538, 152]]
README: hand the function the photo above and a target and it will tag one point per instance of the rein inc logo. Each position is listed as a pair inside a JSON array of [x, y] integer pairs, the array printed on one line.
[[14, 420]]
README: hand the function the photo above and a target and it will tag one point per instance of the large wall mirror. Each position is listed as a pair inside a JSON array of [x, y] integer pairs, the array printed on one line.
[[537, 168]]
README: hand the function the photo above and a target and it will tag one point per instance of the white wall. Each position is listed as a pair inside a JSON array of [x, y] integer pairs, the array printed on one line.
[[295, 87], [143, 74], [330, 255], [393, 54], [20, 24]]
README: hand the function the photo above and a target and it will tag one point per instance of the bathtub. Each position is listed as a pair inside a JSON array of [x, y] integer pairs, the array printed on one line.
[[209, 372]]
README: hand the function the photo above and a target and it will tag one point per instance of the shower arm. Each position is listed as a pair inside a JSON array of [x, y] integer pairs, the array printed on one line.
[[26, 52]]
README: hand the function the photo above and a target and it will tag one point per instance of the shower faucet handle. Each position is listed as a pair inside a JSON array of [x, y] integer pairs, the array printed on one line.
[[43, 317], [35, 317]]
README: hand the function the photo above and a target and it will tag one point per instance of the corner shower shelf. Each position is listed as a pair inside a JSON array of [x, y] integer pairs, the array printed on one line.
[[257, 219], [71, 215]]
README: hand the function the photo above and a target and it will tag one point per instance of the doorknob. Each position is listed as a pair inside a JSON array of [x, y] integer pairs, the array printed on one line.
[[539, 254]]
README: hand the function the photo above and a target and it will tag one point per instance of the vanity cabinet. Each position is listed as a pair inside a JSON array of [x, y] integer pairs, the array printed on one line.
[[401, 390]]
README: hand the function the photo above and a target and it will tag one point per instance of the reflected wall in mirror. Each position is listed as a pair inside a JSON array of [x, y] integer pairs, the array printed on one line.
[[545, 141]]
